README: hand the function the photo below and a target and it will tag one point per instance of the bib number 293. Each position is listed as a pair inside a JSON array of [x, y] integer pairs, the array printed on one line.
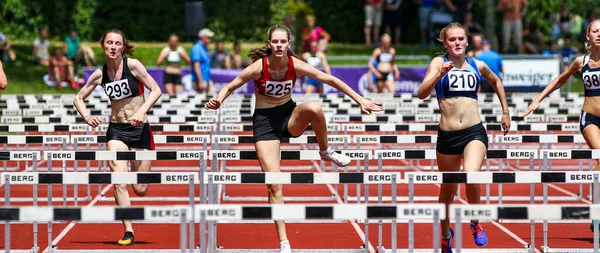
[[117, 90], [278, 89]]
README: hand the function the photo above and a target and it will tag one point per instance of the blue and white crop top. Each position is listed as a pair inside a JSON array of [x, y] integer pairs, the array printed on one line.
[[459, 83], [590, 77]]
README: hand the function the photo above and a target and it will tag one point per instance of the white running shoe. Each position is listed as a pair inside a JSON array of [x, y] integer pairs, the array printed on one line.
[[332, 156], [285, 246]]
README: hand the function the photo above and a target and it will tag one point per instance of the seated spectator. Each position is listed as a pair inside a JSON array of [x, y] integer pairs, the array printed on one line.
[[77, 53], [5, 49], [40, 48], [217, 56], [552, 49], [533, 39], [314, 33], [61, 68], [234, 59]]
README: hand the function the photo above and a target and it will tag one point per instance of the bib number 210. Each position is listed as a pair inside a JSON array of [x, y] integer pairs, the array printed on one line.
[[278, 89]]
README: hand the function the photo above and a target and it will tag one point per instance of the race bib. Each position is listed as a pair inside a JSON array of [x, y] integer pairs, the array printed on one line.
[[385, 57], [278, 89], [117, 90], [462, 81], [591, 80], [314, 61], [173, 56]]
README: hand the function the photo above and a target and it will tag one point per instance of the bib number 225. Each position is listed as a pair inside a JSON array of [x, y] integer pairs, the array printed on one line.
[[278, 89]]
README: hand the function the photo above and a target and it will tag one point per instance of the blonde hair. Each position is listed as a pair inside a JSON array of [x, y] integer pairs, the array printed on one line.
[[386, 36], [442, 37], [588, 45]]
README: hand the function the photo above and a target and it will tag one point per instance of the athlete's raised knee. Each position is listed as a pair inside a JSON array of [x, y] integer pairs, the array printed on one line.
[[314, 108], [140, 189], [275, 189]]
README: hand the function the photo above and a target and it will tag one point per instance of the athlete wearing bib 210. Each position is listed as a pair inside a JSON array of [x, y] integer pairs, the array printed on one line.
[[123, 80], [462, 139], [277, 116], [589, 66]]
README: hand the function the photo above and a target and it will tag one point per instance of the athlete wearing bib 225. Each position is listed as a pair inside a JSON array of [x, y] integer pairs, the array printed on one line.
[[274, 71], [589, 66]]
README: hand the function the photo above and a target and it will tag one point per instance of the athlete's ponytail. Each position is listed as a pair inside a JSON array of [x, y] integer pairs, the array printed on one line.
[[262, 52]]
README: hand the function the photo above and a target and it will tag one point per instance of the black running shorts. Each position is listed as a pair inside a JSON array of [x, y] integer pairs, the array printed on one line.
[[588, 119], [139, 137], [272, 123], [454, 142]]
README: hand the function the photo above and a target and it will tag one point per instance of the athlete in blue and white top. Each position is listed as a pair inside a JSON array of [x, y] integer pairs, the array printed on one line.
[[461, 134], [318, 60], [589, 66]]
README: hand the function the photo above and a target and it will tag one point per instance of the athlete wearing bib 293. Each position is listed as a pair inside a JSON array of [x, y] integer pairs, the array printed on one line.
[[591, 82], [127, 87], [272, 123], [460, 83]]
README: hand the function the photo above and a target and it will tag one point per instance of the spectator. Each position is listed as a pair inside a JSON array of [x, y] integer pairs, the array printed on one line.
[[533, 39], [393, 18], [5, 49], [512, 24], [173, 53], [459, 8], [552, 49], [234, 59], [318, 60], [589, 17], [201, 62], [494, 62], [562, 19], [61, 68], [425, 8], [477, 41], [40, 48], [567, 51], [383, 65], [472, 26], [77, 53], [373, 16], [217, 56], [314, 33]]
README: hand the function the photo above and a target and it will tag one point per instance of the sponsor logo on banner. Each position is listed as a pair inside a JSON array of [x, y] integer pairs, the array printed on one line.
[[209, 112], [519, 154], [177, 178], [380, 177], [387, 154], [401, 110], [84, 139], [56, 139], [424, 118], [221, 212], [23, 155], [103, 128], [570, 127], [329, 111], [196, 139], [427, 177], [166, 213], [534, 118], [418, 212], [557, 118], [357, 154], [579, 177], [333, 127], [8, 112], [478, 212], [229, 139], [78, 128], [228, 111], [338, 139], [529, 72], [559, 154], [367, 139], [225, 154], [232, 128], [189, 155], [32, 112], [425, 111]]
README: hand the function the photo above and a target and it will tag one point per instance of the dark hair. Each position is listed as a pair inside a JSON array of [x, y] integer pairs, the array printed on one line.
[[259, 53], [128, 50]]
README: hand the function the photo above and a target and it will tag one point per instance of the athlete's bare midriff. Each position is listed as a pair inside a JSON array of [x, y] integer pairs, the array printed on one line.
[[384, 67], [458, 113], [263, 102], [592, 105], [123, 109]]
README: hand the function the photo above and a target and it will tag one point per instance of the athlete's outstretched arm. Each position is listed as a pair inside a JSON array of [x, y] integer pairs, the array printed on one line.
[[85, 91], [497, 85], [303, 69], [436, 70], [139, 71], [3, 80], [556, 83], [251, 72]]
